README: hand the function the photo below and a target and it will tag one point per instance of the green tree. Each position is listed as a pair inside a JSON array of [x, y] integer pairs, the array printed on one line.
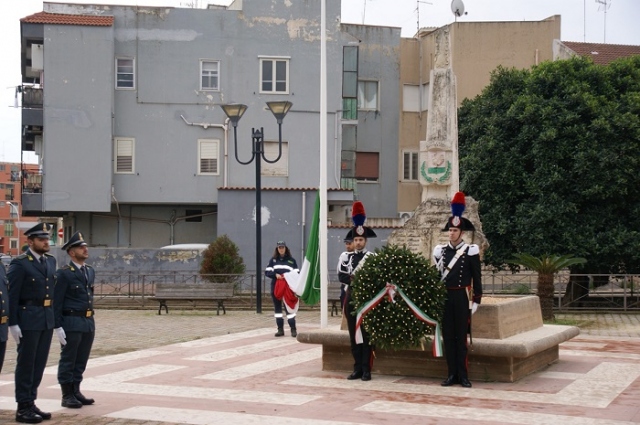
[[221, 261], [546, 266], [552, 154]]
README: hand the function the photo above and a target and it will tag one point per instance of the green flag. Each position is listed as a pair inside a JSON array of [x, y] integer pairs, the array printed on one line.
[[306, 284]]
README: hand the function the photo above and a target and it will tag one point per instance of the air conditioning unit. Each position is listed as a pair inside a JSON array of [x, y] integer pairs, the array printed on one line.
[[405, 215]]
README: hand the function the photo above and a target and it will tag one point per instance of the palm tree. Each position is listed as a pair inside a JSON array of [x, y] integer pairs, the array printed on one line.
[[546, 266]]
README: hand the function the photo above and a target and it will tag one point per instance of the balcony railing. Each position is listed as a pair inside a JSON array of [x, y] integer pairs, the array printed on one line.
[[32, 96]]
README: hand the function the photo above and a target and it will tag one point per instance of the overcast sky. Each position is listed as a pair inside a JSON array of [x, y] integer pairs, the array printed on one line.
[[582, 20]]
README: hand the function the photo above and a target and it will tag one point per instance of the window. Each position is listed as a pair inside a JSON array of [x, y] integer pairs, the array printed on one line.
[[13, 244], [350, 72], [368, 95], [125, 73], [415, 98], [124, 150], [279, 168], [193, 216], [367, 166], [208, 156], [274, 75], [8, 228], [209, 75], [410, 166]]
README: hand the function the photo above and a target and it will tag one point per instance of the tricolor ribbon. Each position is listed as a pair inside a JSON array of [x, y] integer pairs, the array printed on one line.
[[391, 290]]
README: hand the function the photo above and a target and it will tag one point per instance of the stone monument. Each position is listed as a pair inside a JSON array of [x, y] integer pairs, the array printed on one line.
[[439, 165]]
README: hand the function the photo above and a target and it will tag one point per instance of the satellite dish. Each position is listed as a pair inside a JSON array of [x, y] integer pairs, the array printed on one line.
[[457, 7]]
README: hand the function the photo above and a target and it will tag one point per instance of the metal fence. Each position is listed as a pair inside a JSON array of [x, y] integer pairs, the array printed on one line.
[[605, 292]]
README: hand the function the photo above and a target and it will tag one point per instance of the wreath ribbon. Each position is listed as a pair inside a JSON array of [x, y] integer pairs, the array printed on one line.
[[391, 290]]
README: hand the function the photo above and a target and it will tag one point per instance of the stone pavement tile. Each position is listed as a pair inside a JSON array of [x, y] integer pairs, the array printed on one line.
[[201, 357]]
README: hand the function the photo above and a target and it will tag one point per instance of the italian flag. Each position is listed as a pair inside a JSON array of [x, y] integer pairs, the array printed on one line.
[[306, 283]]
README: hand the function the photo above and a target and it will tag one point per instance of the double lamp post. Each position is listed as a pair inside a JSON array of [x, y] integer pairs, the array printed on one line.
[[235, 111]]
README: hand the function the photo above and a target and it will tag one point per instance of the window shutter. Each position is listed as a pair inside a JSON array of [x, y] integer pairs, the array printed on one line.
[[124, 156], [208, 157]]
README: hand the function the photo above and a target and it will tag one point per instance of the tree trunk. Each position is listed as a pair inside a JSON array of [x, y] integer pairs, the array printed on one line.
[[545, 293]]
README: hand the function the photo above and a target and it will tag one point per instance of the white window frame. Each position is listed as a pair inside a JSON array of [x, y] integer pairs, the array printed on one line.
[[211, 74], [132, 73], [120, 146], [279, 168], [209, 149], [412, 154], [274, 82], [364, 88]]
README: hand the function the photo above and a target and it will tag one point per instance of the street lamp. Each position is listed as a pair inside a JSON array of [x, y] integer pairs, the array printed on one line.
[[235, 111], [15, 206]]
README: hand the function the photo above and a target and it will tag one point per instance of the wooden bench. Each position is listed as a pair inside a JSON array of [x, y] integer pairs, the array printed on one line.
[[333, 297], [192, 292]]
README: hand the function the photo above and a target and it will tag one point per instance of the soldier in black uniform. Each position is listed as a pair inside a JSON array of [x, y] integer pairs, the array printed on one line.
[[347, 268], [459, 265], [31, 284], [75, 327], [4, 314]]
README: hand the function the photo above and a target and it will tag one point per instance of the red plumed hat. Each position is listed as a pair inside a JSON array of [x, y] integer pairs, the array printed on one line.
[[458, 206], [358, 216]]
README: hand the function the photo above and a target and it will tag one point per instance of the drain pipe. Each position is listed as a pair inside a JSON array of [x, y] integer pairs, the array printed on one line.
[[224, 127]]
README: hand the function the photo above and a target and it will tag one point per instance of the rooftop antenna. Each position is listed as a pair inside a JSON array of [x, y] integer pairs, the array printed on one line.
[[457, 7], [604, 5], [418, 11]]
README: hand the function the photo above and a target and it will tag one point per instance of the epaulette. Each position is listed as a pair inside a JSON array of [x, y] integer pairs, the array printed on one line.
[[473, 249], [66, 266], [47, 254], [21, 257]]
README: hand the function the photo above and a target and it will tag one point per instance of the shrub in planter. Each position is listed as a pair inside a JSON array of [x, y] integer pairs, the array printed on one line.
[[221, 261]]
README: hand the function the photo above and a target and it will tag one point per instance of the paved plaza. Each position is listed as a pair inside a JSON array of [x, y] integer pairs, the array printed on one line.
[[193, 367]]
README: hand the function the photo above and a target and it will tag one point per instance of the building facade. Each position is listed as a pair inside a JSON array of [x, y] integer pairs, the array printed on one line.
[[121, 105]]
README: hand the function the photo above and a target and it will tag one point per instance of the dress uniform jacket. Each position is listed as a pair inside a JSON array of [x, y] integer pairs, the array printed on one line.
[[73, 299], [31, 292], [4, 314], [4, 306], [465, 272]]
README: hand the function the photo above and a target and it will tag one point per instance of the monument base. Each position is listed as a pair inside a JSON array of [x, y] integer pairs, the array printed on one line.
[[505, 359]]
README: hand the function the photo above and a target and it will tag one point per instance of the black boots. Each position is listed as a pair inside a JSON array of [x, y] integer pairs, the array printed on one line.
[[280, 332], [68, 399], [79, 396], [294, 332], [26, 413]]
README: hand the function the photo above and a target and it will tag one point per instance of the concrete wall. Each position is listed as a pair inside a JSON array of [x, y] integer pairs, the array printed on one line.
[[77, 141]]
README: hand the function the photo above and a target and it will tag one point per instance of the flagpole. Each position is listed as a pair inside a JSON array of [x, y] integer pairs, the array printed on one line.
[[323, 237]]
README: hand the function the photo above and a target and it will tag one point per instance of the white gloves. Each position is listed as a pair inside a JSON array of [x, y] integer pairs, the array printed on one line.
[[16, 333], [62, 337], [474, 307]]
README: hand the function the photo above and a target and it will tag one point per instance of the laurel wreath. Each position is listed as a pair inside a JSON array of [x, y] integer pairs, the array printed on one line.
[[392, 325], [444, 178]]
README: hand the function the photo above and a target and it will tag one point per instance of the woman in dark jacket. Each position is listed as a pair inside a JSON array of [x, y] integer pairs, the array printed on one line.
[[281, 262]]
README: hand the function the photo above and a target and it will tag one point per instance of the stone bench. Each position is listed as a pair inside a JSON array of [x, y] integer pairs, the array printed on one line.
[[509, 343]]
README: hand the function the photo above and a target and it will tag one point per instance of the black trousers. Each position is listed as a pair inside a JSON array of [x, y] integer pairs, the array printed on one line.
[[74, 357], [361, 353], [3, 348], [33, 352], [278, 306], [455, 324]]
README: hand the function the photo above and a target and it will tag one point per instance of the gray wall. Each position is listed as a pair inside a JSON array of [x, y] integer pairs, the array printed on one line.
[[77, 137], [282, 219], [379, 59]]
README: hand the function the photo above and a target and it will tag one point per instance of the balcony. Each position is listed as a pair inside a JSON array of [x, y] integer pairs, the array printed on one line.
[[32, 96]]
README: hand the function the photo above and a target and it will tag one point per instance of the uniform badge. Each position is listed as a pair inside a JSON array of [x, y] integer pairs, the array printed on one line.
[[455, 221], [360, 230]]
